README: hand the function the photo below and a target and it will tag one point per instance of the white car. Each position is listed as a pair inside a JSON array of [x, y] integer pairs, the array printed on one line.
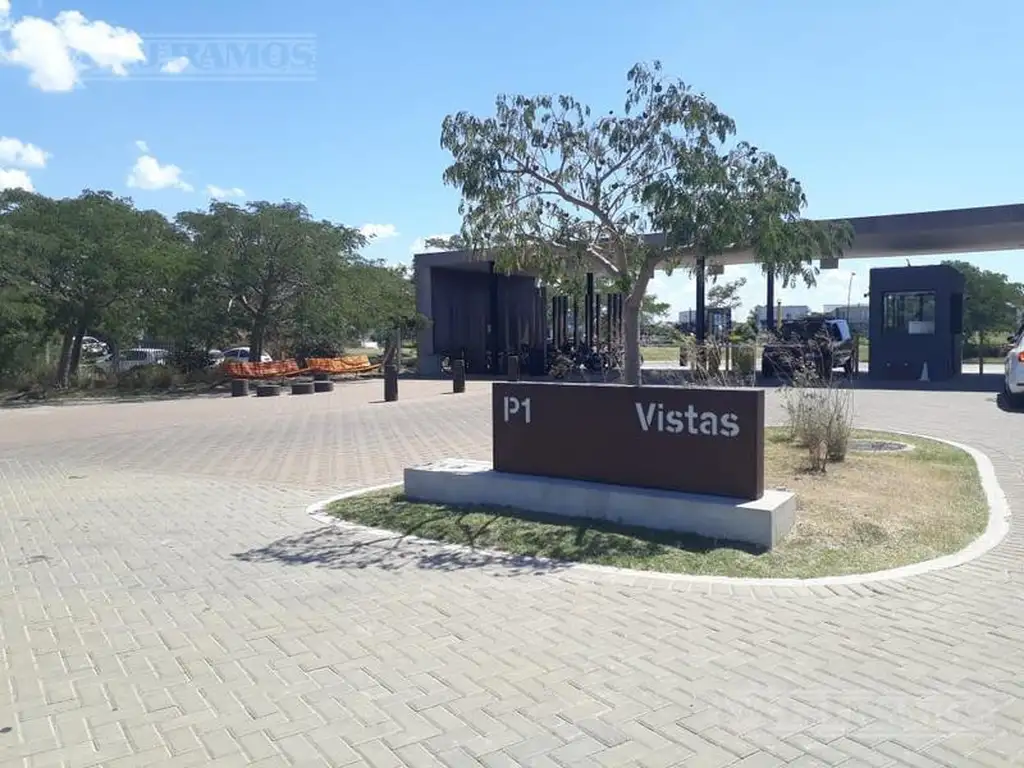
[[241, 355], [93, 346], [1013, 376], [134, 358]]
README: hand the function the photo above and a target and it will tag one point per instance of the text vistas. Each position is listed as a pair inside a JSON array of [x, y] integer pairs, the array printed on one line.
[[654, 417]]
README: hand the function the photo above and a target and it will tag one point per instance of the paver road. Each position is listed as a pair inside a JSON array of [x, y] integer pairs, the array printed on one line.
[[164, 600]]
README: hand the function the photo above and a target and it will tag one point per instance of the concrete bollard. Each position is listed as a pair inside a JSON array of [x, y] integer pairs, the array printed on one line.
[[390, 383], [458, 376]]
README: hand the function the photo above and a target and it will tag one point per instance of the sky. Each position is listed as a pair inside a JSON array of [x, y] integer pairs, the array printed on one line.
[[876, 107]]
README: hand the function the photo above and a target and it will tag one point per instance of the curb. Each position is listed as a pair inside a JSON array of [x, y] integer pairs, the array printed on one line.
[[997, 528]]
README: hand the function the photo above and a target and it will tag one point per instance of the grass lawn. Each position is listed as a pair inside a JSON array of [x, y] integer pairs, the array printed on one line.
[[869, 513], [660, 354]]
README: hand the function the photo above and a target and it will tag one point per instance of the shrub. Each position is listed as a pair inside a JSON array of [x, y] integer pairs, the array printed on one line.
[[188, 359], [820, 415], [147, 377], [307, 349], [744, 358]]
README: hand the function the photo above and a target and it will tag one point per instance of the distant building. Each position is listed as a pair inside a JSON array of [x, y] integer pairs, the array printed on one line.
[[857, 315], [791, 312]]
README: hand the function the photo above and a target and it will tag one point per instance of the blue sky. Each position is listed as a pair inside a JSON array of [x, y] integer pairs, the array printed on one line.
[[877, 107]]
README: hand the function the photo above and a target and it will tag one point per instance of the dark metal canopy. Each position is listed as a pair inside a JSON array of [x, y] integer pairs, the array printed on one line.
[[959, 230]]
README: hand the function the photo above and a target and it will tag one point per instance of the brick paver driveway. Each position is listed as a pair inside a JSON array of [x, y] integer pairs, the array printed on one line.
[[164, 600]]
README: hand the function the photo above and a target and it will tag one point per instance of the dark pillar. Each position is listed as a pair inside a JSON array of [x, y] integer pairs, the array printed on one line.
[[543, 349], [701, 312], [608, 321], [390, 383], [513, 368], [769, 310], [458, 376], [589, 309], [575, 321], [492, 336]]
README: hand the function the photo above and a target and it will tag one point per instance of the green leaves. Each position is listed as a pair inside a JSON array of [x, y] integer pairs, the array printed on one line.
[[548, 188], [266, 270], [991, 300]]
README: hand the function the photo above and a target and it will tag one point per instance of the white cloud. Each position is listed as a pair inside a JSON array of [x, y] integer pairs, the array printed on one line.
[[142, 146], [175, 66], [15, 179], [57, 53], [223, 193], [148, 173], [379, 231], [420, 244], [18, 153]]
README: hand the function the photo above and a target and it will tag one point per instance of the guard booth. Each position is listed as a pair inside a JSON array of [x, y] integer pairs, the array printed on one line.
[[916, 323]]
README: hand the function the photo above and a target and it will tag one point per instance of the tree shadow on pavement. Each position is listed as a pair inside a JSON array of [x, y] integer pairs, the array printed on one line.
[[337, 546]]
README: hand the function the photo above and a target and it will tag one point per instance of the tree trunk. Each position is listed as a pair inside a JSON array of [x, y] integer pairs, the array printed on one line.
[[76, 348], [64, 363], [256, 339], [631, 342], [631, 324]]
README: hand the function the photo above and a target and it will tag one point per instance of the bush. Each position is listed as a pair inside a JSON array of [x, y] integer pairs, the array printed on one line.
[[147, 377], [307, 349], [744, 358], [820, 415], [188, 360]]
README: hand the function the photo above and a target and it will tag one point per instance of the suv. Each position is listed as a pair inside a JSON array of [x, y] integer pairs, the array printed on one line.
[[819, 343]]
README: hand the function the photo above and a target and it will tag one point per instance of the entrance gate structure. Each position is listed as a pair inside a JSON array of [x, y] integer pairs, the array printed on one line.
[[947, 232]]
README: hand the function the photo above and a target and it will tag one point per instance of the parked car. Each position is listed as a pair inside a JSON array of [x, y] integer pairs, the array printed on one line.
[[819, 344], [134, 358], [94, 347], [241, 355], [1013, 370]]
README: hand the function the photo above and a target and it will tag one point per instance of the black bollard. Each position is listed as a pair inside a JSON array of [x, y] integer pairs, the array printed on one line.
[[390, 383], [458, 376], [513, 368]]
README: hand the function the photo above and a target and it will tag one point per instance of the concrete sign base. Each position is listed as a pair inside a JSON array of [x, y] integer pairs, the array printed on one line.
[[762, 522]]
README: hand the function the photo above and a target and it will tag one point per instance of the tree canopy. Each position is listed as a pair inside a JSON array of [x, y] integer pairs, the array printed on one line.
[[992, 301], [726, 295], [551, 187], [95, 264]]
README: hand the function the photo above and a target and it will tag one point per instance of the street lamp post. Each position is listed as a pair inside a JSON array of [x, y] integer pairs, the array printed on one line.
[[849, 291]]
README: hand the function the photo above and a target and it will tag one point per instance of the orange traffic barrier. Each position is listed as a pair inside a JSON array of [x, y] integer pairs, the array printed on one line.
[[272, 370], [339, 365]]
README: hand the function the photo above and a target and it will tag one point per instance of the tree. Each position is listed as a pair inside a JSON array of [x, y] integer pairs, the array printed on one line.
[[88, 262], [549, 187], [726, 295], [991, 300], [653, 311], [269, 259]]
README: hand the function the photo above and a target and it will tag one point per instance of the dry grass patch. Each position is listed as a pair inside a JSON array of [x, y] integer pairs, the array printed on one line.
[[876, 510], [868, 513]]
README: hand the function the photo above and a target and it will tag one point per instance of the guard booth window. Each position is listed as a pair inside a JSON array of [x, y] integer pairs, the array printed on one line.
[[911, 312]]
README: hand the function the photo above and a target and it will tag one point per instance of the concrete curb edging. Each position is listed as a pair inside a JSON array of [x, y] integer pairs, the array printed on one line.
[[995, 531]]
